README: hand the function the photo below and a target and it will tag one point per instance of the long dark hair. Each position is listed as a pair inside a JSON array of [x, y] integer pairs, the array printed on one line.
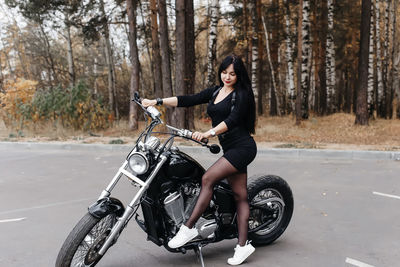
[[243, 83]]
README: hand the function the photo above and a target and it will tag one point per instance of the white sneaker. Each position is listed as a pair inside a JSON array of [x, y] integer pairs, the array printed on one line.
[[183, 236], [241, 253]]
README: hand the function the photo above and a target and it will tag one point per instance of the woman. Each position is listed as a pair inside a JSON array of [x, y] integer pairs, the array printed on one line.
[[231, 107]]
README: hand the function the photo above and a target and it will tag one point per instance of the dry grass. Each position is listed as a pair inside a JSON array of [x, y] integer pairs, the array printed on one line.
[[337, 130], [334, 132]]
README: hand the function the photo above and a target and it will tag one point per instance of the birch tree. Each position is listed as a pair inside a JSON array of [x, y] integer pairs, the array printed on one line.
[[361, 108], [212, 42], [305, 75], [386, 61], [299, 58], [380, 93], [330, 59], [254, 51], [271, 67], [322, 61], [291, 90], [370, 98]]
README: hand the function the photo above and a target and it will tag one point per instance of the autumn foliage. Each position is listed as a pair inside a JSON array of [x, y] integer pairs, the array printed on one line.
[[23, 104]]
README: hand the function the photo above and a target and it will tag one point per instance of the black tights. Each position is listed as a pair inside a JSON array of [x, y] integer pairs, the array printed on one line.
[[220, 170]]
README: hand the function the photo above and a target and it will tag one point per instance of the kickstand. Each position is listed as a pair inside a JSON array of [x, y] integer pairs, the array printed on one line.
[[199, 254]]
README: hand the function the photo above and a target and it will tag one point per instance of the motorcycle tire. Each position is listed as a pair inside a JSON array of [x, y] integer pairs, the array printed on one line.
[[89, 233], [273, 194]]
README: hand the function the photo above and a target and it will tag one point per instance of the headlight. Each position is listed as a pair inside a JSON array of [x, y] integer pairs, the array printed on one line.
[[138, 163]]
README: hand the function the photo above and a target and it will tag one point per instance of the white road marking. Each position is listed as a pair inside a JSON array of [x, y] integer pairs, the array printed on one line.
[[357, 263], [46, 206], [386, 195], [12, 220]]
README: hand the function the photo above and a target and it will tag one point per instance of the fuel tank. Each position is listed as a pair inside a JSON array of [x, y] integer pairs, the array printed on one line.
[[182, 167]]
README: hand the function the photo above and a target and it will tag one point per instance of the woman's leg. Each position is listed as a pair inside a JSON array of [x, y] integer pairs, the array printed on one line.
[[238, 182], [221, 169]]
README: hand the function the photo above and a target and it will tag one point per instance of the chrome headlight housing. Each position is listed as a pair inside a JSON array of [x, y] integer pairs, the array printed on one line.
[[138, 163]]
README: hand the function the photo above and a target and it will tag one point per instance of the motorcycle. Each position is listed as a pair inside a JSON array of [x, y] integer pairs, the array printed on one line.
[[169, 184]]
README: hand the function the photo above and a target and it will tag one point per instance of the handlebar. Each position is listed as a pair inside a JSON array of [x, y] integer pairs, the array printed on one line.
[[214, 148], [155, 115]]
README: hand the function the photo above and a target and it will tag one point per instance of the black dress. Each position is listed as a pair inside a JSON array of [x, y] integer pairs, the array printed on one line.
[[238, 146]]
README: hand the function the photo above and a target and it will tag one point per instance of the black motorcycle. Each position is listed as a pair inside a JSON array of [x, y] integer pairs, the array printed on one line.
[[169, 182]]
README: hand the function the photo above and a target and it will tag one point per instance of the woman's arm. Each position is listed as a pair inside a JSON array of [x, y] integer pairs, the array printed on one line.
[[219, 129], [169, 101]]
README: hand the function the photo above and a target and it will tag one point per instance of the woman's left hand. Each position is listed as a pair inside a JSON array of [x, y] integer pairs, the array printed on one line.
[[200, 136]]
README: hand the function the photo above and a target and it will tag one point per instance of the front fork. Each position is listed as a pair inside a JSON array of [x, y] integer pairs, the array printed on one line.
[[130, 209]]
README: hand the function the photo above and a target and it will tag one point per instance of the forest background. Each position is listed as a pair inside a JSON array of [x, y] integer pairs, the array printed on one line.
[[324, 72]]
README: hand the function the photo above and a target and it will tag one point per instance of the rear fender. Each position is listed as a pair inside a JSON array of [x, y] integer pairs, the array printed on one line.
[[105, 206]]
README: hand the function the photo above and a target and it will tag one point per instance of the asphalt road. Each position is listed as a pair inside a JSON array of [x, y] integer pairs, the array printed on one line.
[[346, 211]]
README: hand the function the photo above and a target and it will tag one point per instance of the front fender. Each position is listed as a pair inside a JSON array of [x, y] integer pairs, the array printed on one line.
[[105, 206]]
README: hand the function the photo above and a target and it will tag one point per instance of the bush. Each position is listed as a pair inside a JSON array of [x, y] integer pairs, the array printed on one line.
[[16, 102], [74, 107]]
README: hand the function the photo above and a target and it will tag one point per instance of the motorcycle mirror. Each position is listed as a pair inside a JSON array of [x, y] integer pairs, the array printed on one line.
[[214, 148]]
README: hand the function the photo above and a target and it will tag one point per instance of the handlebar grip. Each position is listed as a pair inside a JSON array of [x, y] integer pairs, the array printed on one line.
[[137, 97], [204, 140]]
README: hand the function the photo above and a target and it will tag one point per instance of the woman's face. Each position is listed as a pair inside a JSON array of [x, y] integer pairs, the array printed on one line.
[[228, 76]]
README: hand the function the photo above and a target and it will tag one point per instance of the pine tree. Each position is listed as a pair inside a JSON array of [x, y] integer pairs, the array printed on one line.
[[362, 110]]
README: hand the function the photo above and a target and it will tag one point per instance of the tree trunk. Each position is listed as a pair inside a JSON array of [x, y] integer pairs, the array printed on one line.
[[362, 110], [1, 76], [299, 65], [165, 62], [291, 89], [254, 52], [386, 62], [134, 56], [271, 67], [7, 58], [155, 50], [180, 60], [322, 72], [110, 64], [147, 36], [380, 91], [190, 69], [371, 66], [246, 35], [393, 12], [330, 60], [315, 51], [49, 58], [305, 75], [70, 56], [212, 42], [396, 61], [260, 85]]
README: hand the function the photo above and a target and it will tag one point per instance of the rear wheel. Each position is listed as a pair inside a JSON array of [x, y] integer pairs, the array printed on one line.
[[82, 244], [271, 208]]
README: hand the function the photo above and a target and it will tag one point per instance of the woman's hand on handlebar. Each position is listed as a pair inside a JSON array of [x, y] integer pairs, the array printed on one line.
[[201, 136], [149, 102]]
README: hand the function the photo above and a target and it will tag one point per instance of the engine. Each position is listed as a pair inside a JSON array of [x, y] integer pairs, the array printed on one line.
[[179, 206]]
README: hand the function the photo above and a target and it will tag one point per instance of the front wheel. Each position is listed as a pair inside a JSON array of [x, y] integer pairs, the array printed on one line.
[[82, 244], [271, 208]]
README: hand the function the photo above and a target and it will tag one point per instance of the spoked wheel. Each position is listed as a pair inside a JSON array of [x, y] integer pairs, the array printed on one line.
[[271, 208], [81, 247]]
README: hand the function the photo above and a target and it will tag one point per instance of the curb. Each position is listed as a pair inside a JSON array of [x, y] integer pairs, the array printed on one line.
[[269, 152]]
